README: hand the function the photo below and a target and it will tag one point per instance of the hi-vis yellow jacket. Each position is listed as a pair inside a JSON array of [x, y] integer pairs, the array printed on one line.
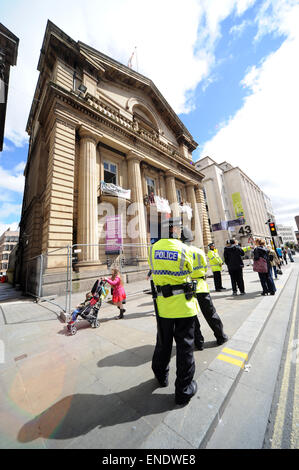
[[200, 269], [171, 262], [215, 260]]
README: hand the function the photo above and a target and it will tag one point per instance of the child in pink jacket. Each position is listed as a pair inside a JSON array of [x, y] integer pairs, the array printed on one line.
[[119, 295]]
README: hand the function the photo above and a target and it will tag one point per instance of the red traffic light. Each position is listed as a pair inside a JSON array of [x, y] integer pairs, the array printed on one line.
[[272, 229]]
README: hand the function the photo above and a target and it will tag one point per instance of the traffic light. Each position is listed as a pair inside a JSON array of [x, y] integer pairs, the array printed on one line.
[[272, 229]]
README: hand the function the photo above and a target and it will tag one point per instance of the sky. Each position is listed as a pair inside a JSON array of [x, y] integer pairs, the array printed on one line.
[[228, 68]]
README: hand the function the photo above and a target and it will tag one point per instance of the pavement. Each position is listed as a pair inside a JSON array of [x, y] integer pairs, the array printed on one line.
[[96, 390]]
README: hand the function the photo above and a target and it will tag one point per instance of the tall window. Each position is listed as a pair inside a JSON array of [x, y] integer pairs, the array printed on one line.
[[110, 173], [151, 186], [179, 196]]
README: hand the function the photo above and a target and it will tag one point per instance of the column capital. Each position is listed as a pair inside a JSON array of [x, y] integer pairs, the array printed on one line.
[[169, 174], [90, 134], [133, 155], [190, 184]]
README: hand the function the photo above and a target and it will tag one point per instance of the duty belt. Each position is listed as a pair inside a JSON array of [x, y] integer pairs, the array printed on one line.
[[188, 288]]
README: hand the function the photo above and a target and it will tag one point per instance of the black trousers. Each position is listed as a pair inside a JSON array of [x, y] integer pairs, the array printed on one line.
[[217, 280], [236, 276], [267, 283], [209, 312], [182, 331]]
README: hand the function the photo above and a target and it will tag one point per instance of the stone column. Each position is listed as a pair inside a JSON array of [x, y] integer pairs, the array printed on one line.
[[87, 201], [138, 210], [198, 239], [162, 185], [206, 233], [171, 194]]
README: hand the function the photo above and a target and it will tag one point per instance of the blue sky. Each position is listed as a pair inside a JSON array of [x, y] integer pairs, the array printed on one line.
[[229, 68]]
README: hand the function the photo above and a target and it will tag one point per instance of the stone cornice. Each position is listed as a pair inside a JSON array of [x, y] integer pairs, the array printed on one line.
[[117, 123], [87, 133]]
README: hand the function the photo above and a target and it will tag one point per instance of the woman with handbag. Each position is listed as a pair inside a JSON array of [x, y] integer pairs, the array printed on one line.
[[262, 265]]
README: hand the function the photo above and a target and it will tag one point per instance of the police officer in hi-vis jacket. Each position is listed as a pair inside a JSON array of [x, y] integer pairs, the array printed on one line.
[[171, 264], [207, 308], [216, 266]]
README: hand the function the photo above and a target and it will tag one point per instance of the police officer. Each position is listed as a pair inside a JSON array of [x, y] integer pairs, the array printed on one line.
[[171, 263], [216, 266], [203, 295]]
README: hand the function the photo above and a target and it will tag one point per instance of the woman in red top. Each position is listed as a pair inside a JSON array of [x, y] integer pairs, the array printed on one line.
[[119, 294]]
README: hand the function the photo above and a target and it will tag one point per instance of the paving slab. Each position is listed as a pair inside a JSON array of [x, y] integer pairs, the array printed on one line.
[[96, 389]]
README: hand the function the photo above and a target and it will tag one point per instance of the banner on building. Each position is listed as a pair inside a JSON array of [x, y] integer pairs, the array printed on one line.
[[113, 235], [113, 190], [226, 224], [235, 222], [162, 205], [237, 203], [185, 209], [220, 226]]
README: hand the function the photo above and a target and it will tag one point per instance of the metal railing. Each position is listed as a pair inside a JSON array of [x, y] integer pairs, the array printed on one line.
[[66, 259]]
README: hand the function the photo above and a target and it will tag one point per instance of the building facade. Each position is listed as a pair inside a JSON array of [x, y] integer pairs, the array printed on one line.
[[8, 241], [237, 207], [9, 44], [108, 161]]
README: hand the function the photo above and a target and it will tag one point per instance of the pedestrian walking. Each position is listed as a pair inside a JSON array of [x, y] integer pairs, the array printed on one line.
[[203, 295], [279, 253], [274, 262], [261, 255], [289, 253], [216, 266], [176, 306], [233, 257], [119, 294], [284, 254]]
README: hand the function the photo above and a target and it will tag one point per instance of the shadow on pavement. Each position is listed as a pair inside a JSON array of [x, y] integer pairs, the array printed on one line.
[[76, 415], [133, 357], [250, 295]]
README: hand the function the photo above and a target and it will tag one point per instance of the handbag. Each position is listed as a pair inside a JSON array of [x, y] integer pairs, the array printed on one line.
[[260, 265]]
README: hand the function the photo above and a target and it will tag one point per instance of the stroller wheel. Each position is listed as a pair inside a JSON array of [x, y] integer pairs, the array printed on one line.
[[73, 330], [95, 324]]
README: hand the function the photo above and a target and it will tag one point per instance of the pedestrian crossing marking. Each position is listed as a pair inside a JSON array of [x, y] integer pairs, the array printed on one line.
[[235, 353], [231, 360]]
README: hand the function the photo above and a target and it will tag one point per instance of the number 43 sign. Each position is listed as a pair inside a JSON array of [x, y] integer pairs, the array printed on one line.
[[245, 230]]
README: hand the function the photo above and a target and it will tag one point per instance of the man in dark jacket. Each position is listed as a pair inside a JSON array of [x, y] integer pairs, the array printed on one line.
[[233, 259]]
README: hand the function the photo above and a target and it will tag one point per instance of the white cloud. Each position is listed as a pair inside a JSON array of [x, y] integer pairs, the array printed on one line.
[[262, 137], [13, 182], [8, 209], [14, 227], [175, 43]]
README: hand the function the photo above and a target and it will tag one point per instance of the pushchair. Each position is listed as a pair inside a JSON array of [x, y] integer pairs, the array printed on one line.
[[89, 309]]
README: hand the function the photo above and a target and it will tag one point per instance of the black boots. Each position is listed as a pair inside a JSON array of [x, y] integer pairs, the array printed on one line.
[[121, 315]]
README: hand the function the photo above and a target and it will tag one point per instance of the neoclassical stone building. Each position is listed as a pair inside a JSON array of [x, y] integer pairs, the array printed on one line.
[[103, 143]]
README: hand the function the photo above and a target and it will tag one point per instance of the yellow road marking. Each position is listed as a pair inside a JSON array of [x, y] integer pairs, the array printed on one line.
[[235, 353], [282, 409], [231, 360]]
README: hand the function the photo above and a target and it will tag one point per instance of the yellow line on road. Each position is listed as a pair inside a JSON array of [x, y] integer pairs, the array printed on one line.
[[281, 411], [231, 360], [235, 353]]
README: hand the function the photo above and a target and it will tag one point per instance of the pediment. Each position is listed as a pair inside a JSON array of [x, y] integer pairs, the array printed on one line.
[[114, 72], [119, 73]]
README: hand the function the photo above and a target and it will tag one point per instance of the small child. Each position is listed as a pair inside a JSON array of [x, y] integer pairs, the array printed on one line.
[[119, 294], [91, 299], [80, 307]]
